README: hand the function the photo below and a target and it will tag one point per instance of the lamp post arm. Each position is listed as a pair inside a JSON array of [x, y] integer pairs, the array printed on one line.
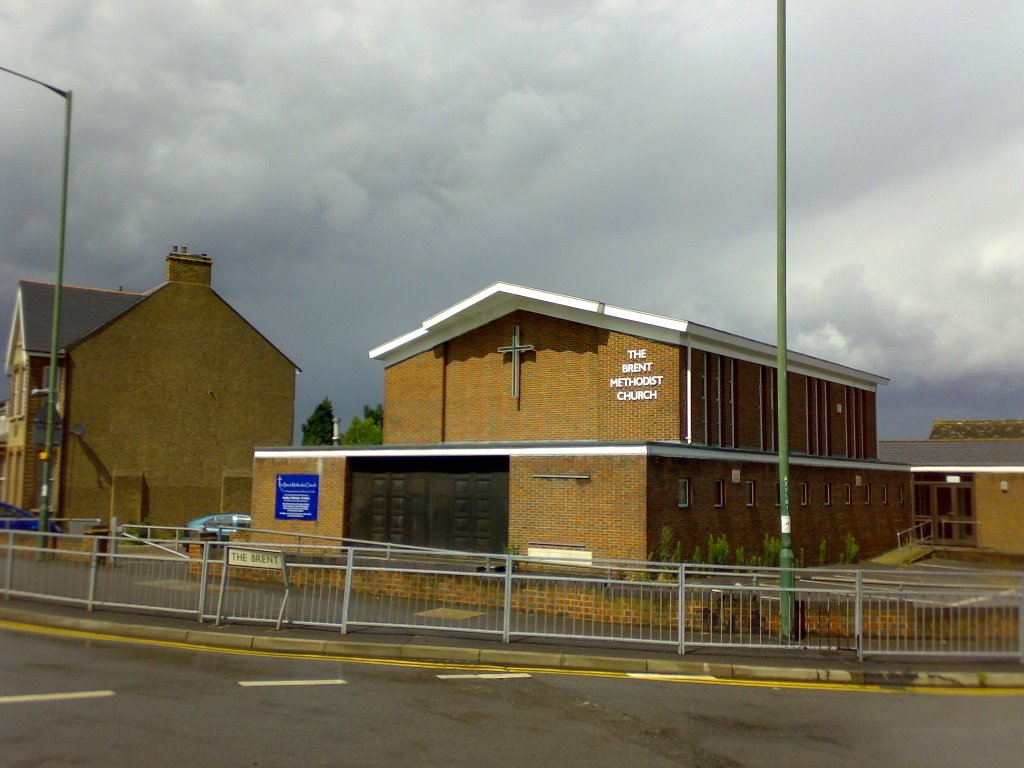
[[45, 503]]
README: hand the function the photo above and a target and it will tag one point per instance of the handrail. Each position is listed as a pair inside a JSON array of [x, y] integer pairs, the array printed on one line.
[[152, 543]]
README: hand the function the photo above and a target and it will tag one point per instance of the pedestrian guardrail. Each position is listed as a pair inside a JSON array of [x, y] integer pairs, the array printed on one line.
[[679, 606]]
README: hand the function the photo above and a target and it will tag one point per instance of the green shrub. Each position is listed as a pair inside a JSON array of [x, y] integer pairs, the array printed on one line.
[[698, 557], [772, 548], [740, 556], [822, 552], [718, 550], [851, 550], [667, 550]]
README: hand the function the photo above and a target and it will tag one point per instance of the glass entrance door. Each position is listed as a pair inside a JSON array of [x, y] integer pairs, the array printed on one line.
[[948, 509]]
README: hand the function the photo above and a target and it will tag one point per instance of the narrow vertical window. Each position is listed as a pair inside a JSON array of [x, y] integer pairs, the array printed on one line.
[[885, 493], [899, 494], [828, 494], [849, 494], [751, 493], [683, 497], [719, 493], [805, 495], [867, 493]]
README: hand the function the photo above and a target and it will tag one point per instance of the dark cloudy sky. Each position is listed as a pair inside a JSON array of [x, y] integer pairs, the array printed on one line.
[[354, 167]]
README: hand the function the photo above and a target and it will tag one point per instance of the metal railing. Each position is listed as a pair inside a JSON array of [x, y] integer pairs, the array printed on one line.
[[677, 606]]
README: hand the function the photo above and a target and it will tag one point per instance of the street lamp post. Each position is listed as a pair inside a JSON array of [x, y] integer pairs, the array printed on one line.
[[51, 384], [787, 581]]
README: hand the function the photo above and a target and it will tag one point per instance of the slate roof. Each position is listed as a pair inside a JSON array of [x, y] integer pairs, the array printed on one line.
[[953, 453], [991, 429], [83, 310]]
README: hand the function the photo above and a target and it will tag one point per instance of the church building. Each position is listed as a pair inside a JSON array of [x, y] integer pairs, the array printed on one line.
[[529, 421]]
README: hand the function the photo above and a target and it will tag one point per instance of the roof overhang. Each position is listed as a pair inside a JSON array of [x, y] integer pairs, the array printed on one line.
[[501, 299], [581, 449]]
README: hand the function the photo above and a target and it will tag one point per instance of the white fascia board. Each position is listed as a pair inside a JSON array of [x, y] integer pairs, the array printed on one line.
[[691, 452], [17, 321], [957, 468], [435, 451], [540, 450], [502, 298], [646, 318], [472, 312], [752, 351], [389, 346], [545, 297]]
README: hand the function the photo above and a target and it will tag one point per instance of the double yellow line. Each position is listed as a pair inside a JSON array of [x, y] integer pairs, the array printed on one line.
[[649, 677]]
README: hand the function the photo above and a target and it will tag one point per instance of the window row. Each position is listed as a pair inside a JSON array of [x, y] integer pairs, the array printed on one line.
[[849, 493]]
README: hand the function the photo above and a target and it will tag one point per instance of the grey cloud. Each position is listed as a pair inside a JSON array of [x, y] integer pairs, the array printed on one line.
[[353, 168]]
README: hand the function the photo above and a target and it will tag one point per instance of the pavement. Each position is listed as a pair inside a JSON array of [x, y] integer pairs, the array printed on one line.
[[731, 664]]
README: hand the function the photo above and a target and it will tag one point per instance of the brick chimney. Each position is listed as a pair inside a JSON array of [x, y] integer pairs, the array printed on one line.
[[185, 267]]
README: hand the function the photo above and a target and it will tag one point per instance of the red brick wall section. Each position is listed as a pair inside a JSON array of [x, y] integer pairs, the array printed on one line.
[[873, 525], [604, 513], [797, 402], [414, 399], [333, 515], [748, 422], [565, 387]]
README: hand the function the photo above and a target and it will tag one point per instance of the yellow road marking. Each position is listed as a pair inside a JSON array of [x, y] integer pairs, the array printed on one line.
[[273, 683], [54, 696], [686, 679]]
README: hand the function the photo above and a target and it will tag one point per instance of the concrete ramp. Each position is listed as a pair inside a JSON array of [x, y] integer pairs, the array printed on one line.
[[904, 555]]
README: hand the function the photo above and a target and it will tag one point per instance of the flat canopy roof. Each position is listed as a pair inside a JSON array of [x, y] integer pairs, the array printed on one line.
[[553, 448]]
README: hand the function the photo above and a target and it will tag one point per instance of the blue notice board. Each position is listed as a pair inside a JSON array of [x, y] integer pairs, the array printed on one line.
[[297, 497]]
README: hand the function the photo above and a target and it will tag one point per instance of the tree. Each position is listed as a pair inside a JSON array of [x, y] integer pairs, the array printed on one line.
[[319, 426], [368, 430]]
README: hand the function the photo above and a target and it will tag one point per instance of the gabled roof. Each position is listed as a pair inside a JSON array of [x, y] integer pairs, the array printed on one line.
[[83, 310], [954, 455], [501, 299]]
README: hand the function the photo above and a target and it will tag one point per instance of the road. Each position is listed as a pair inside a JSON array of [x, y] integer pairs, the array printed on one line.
[[148, 704]]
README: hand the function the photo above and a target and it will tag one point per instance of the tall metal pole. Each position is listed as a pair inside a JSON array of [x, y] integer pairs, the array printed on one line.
[[51, 384], [786, 577]]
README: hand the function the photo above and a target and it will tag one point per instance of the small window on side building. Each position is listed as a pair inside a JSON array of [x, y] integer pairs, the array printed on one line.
[[683, 499]]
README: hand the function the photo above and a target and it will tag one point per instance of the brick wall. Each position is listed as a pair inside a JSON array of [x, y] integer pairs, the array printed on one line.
[[565, 387], [1000, 513], [178, 390], [414, 399], [873, 525], [335, 483], [605, 513], [578, 383]]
